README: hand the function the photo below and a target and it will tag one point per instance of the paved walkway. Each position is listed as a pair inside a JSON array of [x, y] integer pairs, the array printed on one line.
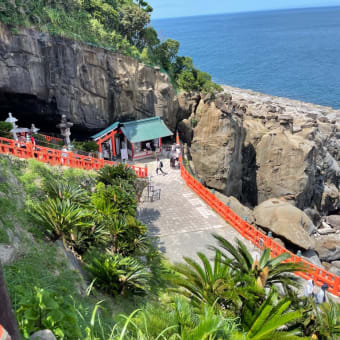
[[180, 219]]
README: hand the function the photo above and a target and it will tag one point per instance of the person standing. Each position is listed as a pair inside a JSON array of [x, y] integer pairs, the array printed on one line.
[[309, 289], [33, 141], [64, 155], [321, 295], [159, 166]]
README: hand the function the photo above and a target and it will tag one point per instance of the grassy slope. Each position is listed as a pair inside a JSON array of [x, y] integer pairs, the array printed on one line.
[[39, 262]]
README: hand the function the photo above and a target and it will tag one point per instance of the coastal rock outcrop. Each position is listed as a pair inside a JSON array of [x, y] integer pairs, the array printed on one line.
[[46, 76], [216, 146], [285, 221], [256, 147]]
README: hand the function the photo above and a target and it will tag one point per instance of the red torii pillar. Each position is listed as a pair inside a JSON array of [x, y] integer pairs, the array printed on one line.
[[105, 138]]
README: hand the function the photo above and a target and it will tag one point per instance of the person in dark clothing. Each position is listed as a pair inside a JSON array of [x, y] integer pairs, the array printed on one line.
[[159, 166]]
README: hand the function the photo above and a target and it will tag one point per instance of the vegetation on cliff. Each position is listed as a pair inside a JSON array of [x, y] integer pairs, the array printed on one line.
[[118, 25]]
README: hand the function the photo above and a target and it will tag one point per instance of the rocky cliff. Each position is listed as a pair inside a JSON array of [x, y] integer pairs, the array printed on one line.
[[42, 77], [256, 147]]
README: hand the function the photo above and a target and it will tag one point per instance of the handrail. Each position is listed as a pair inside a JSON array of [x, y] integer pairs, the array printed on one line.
[[59, 157], [260, 240], [51, 138]]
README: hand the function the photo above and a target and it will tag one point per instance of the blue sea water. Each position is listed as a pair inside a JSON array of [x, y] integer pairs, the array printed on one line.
[[288, 53]]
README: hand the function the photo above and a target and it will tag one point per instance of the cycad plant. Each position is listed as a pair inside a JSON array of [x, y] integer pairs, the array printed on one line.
[[328, 321], [178, 319], [267, 321], [266, 271], [62, 218], [218, 283], [118, 275], [65, 190]]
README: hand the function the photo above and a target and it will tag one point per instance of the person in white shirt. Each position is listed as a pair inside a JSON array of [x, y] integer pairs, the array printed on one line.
[[309, 289], [105, 153]]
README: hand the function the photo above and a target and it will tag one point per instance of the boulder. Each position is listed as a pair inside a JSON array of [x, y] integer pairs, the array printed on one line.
[[328, 247], [312, 256], [285, 221], [237, 207], [7, 254], [45, 334], [334, 270], [336, 264], [333, 221]]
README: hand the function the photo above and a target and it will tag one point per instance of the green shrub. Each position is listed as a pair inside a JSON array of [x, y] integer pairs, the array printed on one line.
[[118, 275], [194, 122], [116, 174], [88, 146], [5, 129], [45, 309], [114, 200]]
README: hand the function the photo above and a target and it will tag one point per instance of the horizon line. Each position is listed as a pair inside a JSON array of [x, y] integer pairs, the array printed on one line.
[[244, 12]]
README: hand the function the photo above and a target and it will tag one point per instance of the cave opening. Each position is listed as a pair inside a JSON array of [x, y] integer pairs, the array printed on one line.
[[30, 109]]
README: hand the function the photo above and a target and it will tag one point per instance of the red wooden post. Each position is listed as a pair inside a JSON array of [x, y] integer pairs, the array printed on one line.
[[132, 150], [113, 143]]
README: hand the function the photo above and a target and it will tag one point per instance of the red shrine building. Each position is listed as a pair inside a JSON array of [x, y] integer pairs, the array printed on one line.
[[133, 140]]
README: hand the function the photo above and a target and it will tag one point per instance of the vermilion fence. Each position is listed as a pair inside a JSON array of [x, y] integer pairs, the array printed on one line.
[[260, 240], [59, 157], [51, 138]]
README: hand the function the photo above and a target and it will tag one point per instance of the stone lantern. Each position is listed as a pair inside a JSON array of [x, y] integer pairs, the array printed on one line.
[[13, 120], [34, 130], [65, 129]]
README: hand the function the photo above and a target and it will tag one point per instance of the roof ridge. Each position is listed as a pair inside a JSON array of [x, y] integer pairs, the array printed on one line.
[[141, 120]]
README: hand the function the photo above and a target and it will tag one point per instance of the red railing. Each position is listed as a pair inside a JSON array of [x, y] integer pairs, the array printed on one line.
[[59, 157], [260, 240], [51, 138]]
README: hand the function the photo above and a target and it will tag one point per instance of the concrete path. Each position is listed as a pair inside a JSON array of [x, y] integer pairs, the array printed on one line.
[[180, 219]]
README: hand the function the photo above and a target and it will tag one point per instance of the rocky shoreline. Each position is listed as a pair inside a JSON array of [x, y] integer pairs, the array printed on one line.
[[275, 160], [290, 106]]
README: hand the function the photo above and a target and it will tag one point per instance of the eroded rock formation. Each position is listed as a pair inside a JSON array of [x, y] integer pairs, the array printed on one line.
[[256, 147], [44, 76]]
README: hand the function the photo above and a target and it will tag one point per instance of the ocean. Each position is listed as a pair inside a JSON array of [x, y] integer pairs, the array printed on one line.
[[288, 53]]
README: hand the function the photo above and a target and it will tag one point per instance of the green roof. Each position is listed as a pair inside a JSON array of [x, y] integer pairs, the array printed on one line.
[[100, 134], [145, 129]]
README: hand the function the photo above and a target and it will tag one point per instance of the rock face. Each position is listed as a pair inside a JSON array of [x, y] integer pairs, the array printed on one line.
[[216, 146], [285, 221], [334, 221], [328, 248], [7, 254], [47, 76], [256, 147]]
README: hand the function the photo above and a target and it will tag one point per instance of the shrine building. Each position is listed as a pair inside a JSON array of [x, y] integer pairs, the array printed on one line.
[[135, 139]]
